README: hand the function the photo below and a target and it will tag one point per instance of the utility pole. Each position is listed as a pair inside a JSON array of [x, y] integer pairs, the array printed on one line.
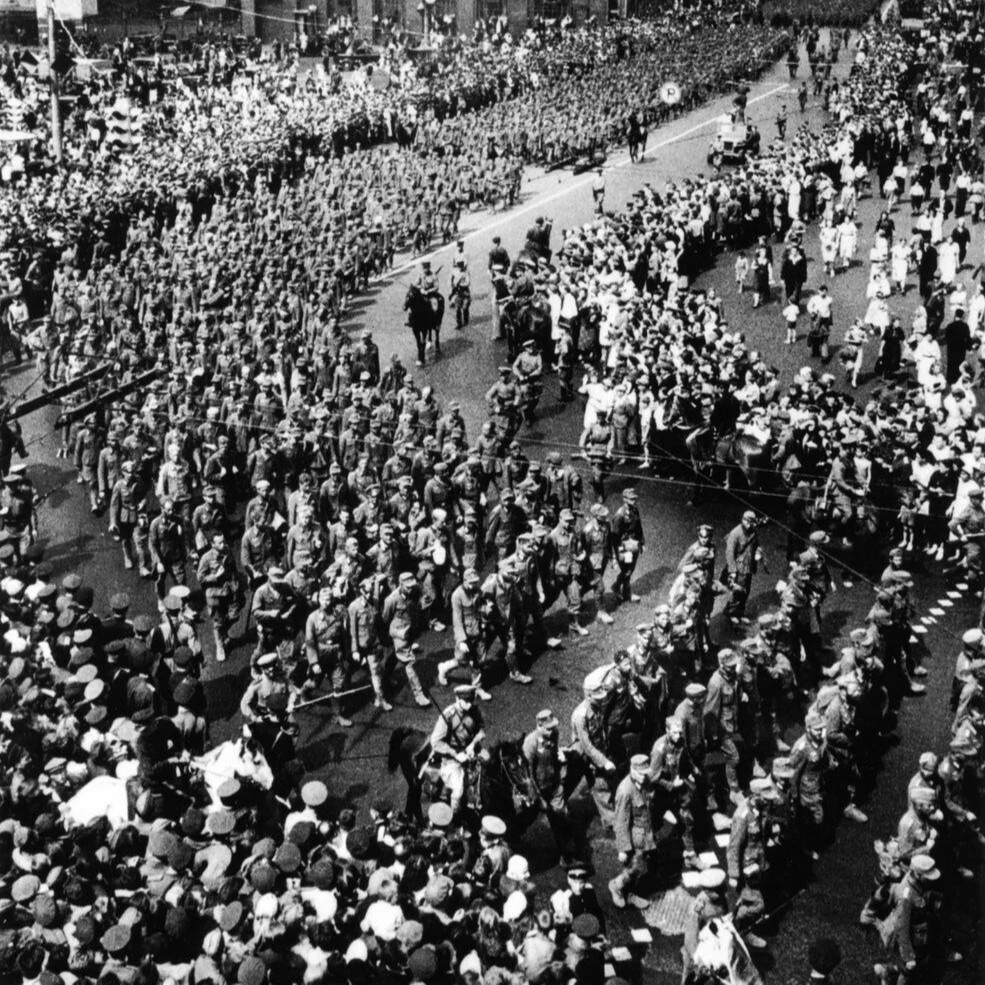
[[56, 110]]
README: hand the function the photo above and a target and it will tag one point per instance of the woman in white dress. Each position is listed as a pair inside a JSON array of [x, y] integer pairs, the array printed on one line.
[[947, 261], [879, 285], [828, 235], [900, 265], [847, 243]]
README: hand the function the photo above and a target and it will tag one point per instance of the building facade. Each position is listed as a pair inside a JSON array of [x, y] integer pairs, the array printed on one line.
[[282, 19]]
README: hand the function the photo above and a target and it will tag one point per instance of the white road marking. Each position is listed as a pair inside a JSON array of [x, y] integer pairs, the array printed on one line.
[[539, 203]]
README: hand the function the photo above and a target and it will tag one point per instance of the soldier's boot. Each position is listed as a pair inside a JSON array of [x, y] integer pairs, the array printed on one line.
[[127, 555], [480, 692], [421, 699], [220, 649]]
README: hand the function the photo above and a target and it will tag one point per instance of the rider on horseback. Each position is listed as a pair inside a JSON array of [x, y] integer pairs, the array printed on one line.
[[427, 280], [455, 740]]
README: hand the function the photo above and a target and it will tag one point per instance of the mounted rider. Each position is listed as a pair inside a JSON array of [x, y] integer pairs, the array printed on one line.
[[427, 280], [455, 740]]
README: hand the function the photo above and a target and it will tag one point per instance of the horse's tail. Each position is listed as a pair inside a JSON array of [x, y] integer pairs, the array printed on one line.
[[397, 738]]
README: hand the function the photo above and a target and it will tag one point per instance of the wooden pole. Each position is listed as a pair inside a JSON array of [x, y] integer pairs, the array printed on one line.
[[56, 110]]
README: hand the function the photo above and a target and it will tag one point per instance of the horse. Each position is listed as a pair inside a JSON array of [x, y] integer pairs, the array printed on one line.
[[528, 321], [498, 783], [735, 452], [424, 315]]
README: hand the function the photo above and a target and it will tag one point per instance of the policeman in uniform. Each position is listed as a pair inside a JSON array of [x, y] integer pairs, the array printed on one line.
[[633, 826], [270, 694], [325, 646], [628, 544], [218, 575], [460, 293], [455, 738]]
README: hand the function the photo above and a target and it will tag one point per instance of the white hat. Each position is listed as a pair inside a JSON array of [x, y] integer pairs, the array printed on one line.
[[518, 869], [515, 906]]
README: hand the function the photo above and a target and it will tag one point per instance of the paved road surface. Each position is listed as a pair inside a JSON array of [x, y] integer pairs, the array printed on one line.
[[354, 761]]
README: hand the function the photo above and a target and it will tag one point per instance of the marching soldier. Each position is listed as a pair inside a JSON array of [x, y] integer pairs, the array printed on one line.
[[597, 538], [468, 625], [672, 774], [400, 618], [546, 762], [504, 619], [628, 544], [365, 638], [166, 541], [742, 555], [633, 826], [218, 575], [567, 555], [325, 646], [589, 739]]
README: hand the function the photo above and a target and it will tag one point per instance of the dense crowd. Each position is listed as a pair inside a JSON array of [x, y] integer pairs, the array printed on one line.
[[133, 851]]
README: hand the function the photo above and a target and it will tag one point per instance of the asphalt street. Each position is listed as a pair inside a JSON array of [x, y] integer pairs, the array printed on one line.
[[354, 761]]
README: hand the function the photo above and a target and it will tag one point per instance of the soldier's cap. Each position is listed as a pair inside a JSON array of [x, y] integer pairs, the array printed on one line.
[[314, 793], [695, 690], [172, 603], [408, 578], [470, 575], [546, 717], [819, 537], [46, 592], [711, 878], [94, 689], [494, 827], [924, 867], [71, 582], [972, 637], [505, 369], [267, 660], [262, 485], [782, 769], [928, 760], [973, 490], [727, 657], [143, 623], [221, 822], [586, 926], [763, 787], [640, 761], [599, 510], [440, 814], [465, 691], [578, 869], [568, 515], [119, 601], [554, 458], [749, 515], [630, 495]]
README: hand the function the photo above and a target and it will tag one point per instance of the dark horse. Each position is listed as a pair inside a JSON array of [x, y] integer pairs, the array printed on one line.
[[529, 321], [424, 315], [734, 453], [499, 782]]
